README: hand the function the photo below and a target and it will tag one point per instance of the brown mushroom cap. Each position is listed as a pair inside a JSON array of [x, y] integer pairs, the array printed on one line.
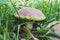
[[56, 39], [30, 14], [57, 28]]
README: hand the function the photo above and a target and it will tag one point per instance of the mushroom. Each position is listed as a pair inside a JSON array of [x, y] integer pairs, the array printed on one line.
[[56, 27], [30, 14], [51, 25], [57, 30]]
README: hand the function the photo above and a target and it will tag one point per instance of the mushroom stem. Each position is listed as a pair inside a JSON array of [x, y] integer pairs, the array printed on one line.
[[26, 29], [29, 25]]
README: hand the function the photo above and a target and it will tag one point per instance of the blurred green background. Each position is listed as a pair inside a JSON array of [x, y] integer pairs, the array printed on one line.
[[8, 31]]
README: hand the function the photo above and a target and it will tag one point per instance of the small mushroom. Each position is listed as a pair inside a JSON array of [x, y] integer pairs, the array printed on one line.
[[57, 30], [52, 24], [30, 14], [56, 27]]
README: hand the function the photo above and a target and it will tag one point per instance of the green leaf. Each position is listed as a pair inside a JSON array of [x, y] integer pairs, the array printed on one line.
[[1, 37], [53, 34]]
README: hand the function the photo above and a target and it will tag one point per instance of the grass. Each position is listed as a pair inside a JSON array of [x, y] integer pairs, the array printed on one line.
[[8, 23]]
